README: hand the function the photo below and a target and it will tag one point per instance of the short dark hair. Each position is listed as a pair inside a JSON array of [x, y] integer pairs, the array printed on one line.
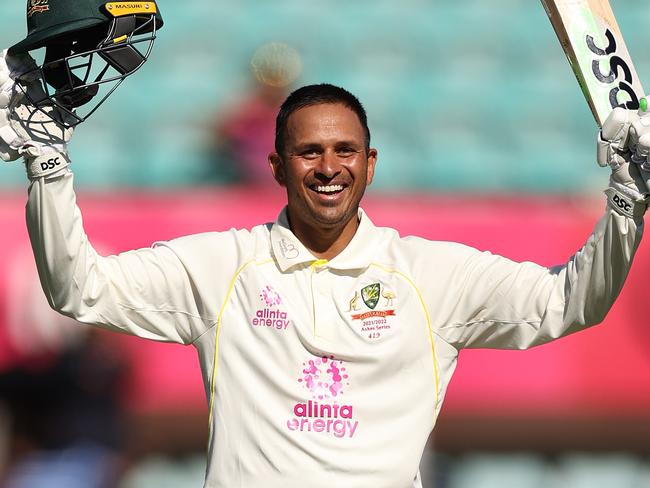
[[315, 95]]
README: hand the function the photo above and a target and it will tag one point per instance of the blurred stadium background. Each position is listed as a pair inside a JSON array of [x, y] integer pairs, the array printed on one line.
[[484, 137]]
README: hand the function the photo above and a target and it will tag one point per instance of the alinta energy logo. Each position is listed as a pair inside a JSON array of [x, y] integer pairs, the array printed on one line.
[[325, 379], [271, 315], [37, 6]]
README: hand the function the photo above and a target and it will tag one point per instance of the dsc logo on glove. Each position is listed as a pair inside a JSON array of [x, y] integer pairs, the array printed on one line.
[[50, 164], [622, 204]]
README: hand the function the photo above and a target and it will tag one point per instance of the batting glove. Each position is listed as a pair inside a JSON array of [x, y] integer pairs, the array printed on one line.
[[624, 146], [27, 131]]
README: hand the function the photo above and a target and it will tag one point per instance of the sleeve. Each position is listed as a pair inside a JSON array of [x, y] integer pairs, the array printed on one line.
[[146, 292], [497, 303]]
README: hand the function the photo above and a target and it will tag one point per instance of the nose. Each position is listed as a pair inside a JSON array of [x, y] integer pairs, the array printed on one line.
[[329, 165]]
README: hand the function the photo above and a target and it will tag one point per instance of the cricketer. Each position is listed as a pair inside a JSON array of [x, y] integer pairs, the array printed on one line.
[[326, 343]]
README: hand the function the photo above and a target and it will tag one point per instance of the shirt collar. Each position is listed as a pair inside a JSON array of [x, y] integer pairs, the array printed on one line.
[[358, 254]]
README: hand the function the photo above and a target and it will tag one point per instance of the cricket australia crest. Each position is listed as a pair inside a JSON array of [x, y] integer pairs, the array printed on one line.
[[370, 295], [376, 322]]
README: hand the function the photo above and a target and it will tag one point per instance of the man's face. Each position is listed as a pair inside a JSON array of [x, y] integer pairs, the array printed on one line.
[[325, 166]]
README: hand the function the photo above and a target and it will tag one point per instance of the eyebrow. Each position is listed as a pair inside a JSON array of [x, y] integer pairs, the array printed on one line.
[[307, 147], [316, 145]]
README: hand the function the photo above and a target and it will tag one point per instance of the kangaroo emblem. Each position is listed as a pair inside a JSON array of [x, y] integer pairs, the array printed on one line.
[[354, 303]]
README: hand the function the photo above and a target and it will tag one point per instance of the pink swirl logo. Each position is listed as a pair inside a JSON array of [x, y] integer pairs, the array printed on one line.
[[324, 377], [270, 297]]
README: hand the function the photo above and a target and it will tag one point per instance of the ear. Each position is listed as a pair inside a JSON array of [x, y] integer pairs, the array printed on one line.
[[372, 161], [277, 168]]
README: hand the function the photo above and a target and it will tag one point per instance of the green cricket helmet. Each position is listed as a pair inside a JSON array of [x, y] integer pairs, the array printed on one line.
[[88, 43]]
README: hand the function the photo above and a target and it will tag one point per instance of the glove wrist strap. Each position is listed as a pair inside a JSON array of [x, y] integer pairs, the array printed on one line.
[[624, 203], [47, 165]]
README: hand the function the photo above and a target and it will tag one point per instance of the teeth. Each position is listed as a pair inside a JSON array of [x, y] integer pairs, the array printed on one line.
[[329, 188]]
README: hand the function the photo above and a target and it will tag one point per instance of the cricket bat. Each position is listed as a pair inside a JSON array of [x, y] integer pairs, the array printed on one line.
[[594, 46]]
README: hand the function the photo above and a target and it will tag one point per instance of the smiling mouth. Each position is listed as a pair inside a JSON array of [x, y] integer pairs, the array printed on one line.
[[327, 189]]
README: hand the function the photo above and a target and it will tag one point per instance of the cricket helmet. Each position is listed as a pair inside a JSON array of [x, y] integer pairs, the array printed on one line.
[[88, 43]]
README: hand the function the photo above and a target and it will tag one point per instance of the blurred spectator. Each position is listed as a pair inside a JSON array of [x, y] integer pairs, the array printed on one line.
[[58, 392], [64, 419], [244, 133]]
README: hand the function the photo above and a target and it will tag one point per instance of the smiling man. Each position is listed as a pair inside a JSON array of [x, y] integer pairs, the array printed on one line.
[[323, 158], [327, 343]]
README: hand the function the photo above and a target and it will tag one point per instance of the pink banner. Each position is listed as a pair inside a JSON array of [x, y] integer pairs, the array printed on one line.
[[603, 371]]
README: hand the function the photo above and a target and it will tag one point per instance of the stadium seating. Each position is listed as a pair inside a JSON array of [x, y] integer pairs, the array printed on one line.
[[473, 96]]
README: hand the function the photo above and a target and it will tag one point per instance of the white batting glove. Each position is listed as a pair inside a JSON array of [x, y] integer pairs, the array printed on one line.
[[25, 130], [624, 146]]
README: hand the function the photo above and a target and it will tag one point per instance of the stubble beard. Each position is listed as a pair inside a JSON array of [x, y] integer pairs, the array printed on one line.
[[322, 217]]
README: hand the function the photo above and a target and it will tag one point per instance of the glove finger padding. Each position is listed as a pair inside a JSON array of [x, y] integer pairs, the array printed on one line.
[[6, 88], [34, 127], [24, 129], [10, 68], [624, 145], [612, 149], [639, 141]]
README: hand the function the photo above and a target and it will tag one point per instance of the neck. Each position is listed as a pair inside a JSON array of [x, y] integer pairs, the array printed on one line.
[[325, 242]]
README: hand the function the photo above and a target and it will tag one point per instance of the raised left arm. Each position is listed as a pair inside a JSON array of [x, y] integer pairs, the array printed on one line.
[[503, 304]]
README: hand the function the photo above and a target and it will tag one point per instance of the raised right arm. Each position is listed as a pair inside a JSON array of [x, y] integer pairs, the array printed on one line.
[[154, 293], [146, 292], [168, 292]]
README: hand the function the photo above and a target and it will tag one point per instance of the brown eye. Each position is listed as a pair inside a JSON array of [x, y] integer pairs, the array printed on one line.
[[310, 154]]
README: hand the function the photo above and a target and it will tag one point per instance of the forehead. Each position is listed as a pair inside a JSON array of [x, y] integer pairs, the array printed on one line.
[[324, 121]]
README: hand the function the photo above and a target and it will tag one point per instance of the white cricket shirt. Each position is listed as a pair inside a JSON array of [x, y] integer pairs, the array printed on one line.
[[322, 374]]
